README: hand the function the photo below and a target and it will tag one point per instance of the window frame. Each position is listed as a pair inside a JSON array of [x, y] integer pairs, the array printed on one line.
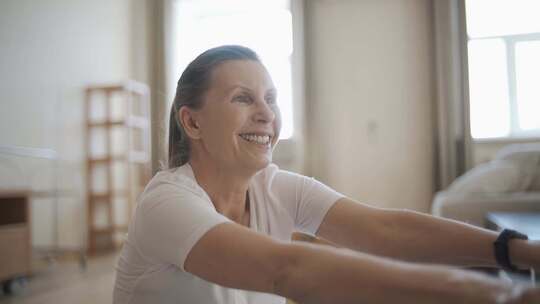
[[289, 152]]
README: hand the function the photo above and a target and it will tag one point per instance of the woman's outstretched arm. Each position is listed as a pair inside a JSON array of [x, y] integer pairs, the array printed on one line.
[[234, 256], [417, 237]]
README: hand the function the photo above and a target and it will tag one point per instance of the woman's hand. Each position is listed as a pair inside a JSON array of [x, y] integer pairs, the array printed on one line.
[[473, 287], [525, 254], [525, 295], [535, 253], [530, 296]]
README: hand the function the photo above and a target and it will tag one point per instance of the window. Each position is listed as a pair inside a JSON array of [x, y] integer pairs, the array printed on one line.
[[504, 67], [264, 26]]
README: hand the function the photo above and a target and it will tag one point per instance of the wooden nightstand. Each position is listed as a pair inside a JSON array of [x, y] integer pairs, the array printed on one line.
[[14, 236]]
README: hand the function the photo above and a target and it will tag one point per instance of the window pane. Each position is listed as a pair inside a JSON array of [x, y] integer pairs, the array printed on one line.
[[488, 89], [502, 17], [528, 84], [264, 26], [281, 75]]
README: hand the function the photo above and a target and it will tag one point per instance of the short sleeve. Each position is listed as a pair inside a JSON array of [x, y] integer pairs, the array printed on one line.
[[307, 199], [170, 221]]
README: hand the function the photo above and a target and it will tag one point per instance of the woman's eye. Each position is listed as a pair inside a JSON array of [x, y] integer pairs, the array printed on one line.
[[243, 98], [271, 99]]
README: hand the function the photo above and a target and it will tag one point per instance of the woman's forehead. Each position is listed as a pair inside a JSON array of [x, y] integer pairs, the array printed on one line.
[[241, 73]]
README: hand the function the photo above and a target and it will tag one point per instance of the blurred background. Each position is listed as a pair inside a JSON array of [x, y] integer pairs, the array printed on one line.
[[386, 101]]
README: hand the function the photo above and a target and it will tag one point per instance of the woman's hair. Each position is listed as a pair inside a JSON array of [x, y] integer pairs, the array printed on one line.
[[192, 86]]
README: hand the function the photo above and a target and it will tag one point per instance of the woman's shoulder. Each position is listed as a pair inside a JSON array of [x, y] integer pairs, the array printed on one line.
[[272, 175], [180, 176], [177, 182]]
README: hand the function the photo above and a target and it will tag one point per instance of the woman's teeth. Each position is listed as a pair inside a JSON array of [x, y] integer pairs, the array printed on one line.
[[263, 140]]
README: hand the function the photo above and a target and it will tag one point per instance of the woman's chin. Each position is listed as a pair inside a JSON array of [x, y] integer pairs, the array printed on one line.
[[264, 162], [260, 163]]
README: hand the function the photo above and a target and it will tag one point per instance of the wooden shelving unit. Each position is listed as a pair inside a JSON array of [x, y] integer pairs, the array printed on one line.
[[118, 159]]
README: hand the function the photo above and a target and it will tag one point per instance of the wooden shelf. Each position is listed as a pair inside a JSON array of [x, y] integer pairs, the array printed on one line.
[[106, 124], [131, 121], [121, 228], [105, 159], [132, 156], [108, 230], [129, 86], [106, 196], [94, 199], [102, 230]]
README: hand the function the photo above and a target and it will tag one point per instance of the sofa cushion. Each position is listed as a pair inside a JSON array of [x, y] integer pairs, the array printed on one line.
[[535, 183], [498, 176], [527, 156], [529, 152]]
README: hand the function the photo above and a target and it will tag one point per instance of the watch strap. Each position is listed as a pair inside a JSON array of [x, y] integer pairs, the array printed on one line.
[[502, 255]]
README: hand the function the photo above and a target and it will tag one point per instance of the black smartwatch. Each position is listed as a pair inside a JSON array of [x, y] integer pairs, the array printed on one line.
[[500, 245]]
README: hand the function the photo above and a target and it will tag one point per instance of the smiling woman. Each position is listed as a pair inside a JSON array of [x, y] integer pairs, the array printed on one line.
[[215, 228]]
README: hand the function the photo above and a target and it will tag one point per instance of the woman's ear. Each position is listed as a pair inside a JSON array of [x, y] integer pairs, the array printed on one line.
[[187, 118]]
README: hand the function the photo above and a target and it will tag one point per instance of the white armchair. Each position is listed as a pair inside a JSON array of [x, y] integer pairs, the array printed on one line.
[[510, 182]]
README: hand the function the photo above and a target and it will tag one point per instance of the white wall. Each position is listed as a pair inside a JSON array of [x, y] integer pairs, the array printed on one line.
[[49, 51], [370, 95]]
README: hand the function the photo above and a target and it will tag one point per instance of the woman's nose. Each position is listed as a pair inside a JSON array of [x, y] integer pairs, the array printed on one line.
[[265, 112]]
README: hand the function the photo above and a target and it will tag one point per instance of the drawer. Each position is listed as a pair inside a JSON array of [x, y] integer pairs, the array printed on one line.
[[14, 250]]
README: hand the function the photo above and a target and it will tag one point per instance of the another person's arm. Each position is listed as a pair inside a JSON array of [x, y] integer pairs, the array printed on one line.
[[236, 257], [418, 237]]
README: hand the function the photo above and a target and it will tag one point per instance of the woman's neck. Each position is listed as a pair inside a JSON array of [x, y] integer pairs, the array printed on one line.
[[226, 188]]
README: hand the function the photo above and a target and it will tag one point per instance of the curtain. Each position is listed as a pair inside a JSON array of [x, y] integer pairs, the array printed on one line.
[[452, 137], [150, 26]]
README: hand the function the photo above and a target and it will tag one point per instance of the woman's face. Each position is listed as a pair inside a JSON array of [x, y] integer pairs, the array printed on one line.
[[240, 120]]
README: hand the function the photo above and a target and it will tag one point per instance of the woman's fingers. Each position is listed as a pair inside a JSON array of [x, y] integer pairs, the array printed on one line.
[[530, 296], [524, 295]]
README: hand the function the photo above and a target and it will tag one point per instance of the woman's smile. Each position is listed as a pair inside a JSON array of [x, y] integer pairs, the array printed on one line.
[[257, 143], [258, 139]]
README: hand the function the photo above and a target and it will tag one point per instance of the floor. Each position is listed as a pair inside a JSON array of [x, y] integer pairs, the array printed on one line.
[[64, 282]]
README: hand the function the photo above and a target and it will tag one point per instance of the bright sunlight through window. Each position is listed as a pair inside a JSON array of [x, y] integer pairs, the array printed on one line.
[[264, 26], [504, 67]]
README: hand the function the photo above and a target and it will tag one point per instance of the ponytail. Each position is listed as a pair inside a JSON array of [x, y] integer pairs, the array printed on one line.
[[178, 143]]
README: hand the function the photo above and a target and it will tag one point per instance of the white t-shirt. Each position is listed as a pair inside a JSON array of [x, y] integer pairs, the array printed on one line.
[[174, 212]]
